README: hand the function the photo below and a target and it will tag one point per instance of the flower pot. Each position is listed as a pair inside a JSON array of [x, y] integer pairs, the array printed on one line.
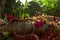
[[20, 27]]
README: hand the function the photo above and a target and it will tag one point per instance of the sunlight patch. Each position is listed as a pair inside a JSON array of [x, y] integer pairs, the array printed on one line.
[[23, 1]]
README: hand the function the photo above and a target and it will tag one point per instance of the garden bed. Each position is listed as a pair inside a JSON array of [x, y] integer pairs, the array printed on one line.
[[25, 30]]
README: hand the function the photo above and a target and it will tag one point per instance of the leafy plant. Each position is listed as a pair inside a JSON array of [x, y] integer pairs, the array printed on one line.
[[6, 33], [33, 8]]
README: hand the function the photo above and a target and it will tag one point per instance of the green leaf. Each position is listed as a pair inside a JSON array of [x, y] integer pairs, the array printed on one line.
[[5, 33]]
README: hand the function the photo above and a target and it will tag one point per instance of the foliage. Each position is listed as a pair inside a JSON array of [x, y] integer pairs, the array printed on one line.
[[57, 8], [16, 9], [8, 7], [50, 7], [33, 8], [6, 33]]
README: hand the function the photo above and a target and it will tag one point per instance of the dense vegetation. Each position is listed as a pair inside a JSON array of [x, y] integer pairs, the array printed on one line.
[[25, 20], [34, 7]]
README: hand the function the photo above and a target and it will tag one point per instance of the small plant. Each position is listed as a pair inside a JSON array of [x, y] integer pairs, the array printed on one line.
[[5, 34]]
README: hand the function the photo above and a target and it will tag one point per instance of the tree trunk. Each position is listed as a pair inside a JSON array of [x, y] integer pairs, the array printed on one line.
[[0, 12], [1, 6]]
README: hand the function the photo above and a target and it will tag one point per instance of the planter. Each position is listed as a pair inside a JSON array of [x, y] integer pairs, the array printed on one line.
[[24, 27], [20, 27], [21, 30], [24, 30]]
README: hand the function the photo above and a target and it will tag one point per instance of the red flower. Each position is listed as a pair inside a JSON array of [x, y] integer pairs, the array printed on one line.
[[39, 23], [11, 18], [52, 35], [45, 37]]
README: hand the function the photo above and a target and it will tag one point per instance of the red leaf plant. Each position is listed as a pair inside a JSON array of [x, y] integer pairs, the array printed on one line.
[[11, 18], [52, 36], [39, 23]]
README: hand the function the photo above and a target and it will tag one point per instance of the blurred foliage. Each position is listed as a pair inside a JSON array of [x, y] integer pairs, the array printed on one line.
[[16, 9], [33, 8], [6, 33], [50, 7], [8, 7]]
